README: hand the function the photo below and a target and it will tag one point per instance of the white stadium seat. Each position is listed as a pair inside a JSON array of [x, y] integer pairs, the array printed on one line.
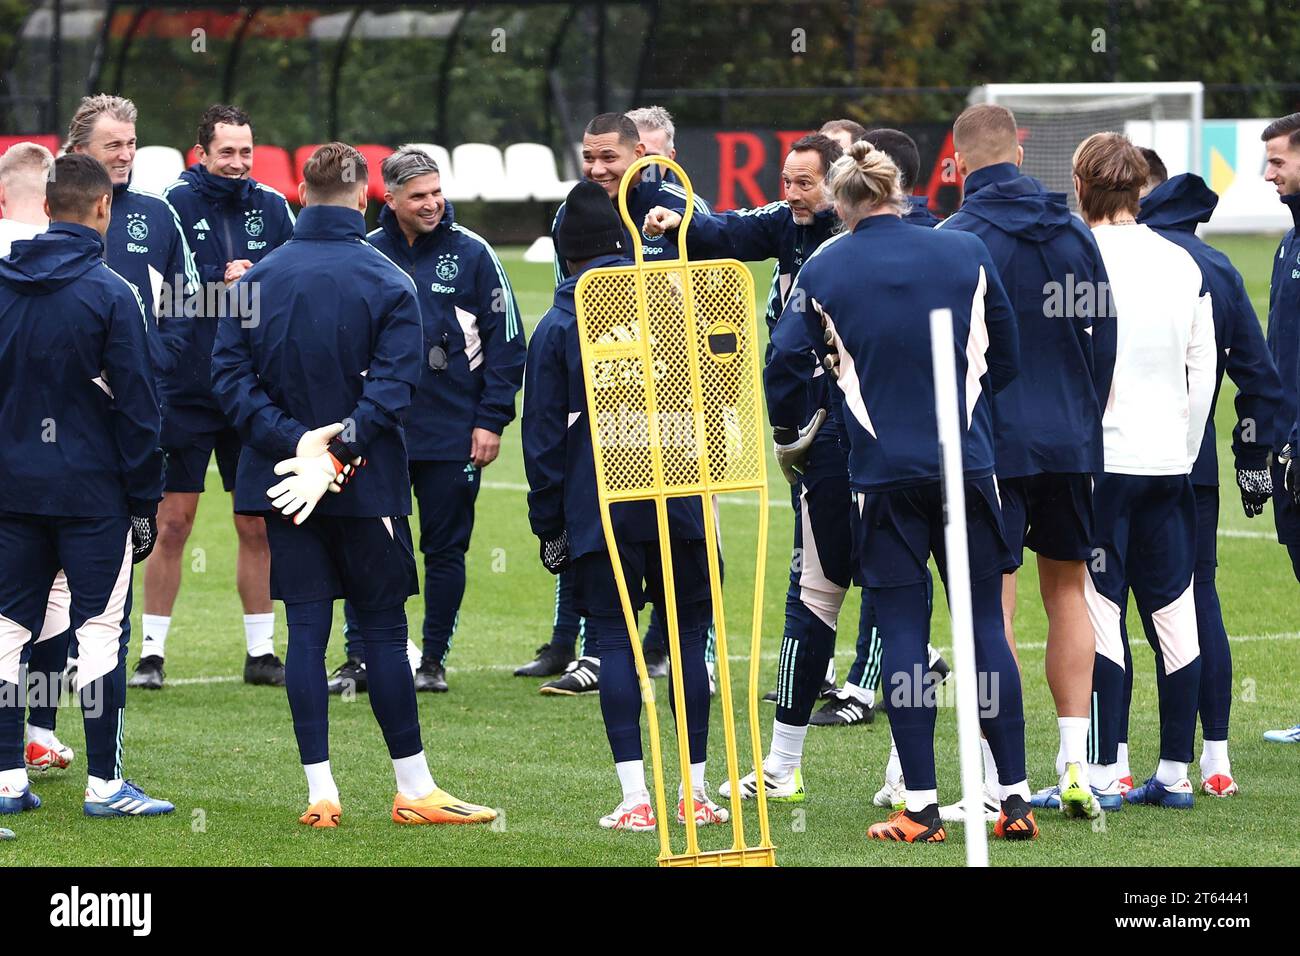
[[451, 187], [532, 166], [156, 168], [480, 169]]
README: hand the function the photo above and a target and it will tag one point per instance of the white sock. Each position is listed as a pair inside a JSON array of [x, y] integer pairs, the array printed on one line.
[[320, 782], [1214, 759], [631, 777], [413, 777], [39, 735], [101, 788], [1020, 789], [1103, 775], [258, 631], [787, 748], [155, 634], [1121, 763], [697, 777], [830, 671], [918, 800], [15, 779], [1169, 772], [1074, 741], [893, 769], [990, 771], [860, 694]]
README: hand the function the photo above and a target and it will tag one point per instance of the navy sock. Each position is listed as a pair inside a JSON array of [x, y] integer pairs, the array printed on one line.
[[1216, 662], [444, 589], [567, 626], [806, 649], [392, 691], [620, 693], [1126, 698], [865, 672], [903, 615], [1293, 550], [304, 676], [45, 679], [1001, 703], [694, 631]]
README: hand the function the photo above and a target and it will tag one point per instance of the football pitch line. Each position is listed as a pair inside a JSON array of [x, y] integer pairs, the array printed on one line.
[[492, 668]]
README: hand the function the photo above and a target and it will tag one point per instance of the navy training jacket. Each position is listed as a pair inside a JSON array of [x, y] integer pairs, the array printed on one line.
[[78, 407], [879, 317], [1048, 420], [223, 219], [146, 246], [470, 312], [1284, 327], [338, 339], [1174, 208]]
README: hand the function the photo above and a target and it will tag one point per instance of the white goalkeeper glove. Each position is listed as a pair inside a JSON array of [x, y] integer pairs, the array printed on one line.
[[325, 441], [309, 479], [791, 446]]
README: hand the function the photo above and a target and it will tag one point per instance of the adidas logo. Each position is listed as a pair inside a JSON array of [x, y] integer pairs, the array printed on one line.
[[201, 224]]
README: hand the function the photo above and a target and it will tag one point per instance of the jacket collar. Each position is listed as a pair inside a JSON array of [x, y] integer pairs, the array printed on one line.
[[388, 222], [1292, 202], [219, 187], [988, 175], [876, 222], [76, 229], [330, 222]]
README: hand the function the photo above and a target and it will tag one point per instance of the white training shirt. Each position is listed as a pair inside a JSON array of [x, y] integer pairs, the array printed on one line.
[[11, 231], [1164, 357]]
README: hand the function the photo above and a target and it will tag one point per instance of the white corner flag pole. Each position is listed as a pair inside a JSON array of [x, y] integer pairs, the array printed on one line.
[[958, 585]]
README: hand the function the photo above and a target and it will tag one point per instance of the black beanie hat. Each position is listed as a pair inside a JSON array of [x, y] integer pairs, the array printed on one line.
[[591, 225]]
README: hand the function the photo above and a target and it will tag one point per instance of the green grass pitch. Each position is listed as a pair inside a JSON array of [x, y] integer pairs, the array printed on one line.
[[225, 753]]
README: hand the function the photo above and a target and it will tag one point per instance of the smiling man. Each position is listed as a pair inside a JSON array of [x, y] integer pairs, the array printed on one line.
[[231, 221], [1282, 150]]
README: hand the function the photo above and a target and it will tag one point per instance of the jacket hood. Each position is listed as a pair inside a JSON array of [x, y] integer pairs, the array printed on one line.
[[218, 188], [1016, 204], [1292, 202], [388, 223], [1178, 203], [63, 253]]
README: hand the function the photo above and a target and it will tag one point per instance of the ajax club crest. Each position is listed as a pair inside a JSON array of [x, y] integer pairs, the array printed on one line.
[[136, 226], [448, 267], [253, 222]]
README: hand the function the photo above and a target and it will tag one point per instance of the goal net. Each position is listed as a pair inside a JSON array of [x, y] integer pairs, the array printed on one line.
[[1055, 117]]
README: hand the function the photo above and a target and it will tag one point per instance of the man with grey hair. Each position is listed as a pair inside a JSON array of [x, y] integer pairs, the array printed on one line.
[[474, 366], [655, 124]]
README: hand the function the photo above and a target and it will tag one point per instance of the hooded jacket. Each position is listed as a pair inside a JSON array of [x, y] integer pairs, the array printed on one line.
[[558, 457], [223, 219], [1284, 326], [1173, 209], [641, 198], [338, 339], [146, 246], [78, 409], [1049, 420], [878, 320], [469, 312]]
